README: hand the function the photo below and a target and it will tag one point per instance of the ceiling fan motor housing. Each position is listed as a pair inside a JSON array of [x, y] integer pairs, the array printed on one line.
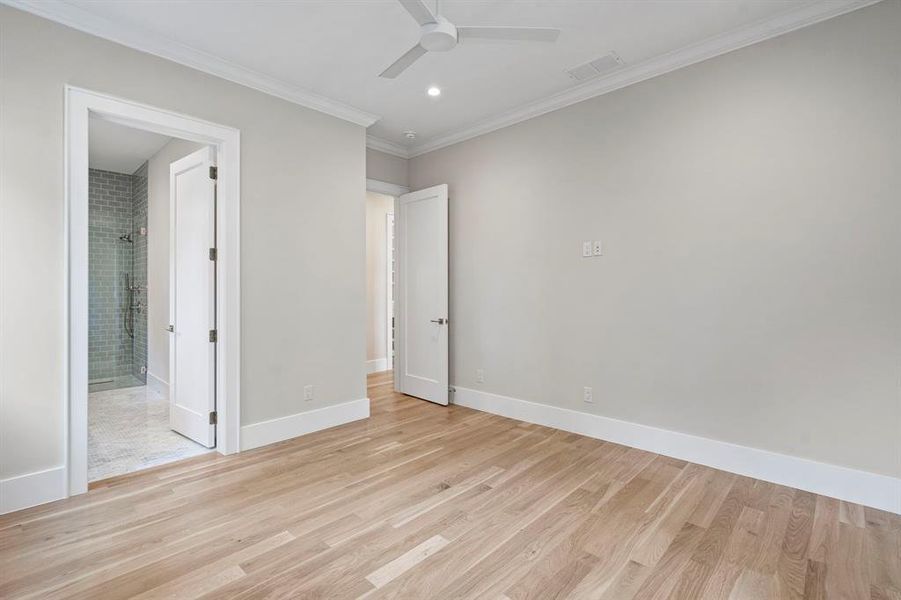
[[438, 37]]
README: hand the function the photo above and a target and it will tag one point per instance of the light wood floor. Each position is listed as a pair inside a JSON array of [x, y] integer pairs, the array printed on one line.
[[422, 501]]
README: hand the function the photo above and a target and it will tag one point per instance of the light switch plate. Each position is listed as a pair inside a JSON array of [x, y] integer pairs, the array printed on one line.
[[586, 249], [308, 392], [598, 249]]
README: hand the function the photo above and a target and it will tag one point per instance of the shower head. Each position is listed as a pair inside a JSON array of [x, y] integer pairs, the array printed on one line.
[[125, 237]]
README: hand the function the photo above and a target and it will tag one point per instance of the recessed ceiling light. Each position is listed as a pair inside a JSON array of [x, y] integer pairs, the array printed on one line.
[[434, 91], [410, 134]]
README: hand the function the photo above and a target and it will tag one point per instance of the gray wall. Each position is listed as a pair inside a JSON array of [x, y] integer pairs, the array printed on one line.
[[302, 218], [750, 208], [110, 209], [386, 167]]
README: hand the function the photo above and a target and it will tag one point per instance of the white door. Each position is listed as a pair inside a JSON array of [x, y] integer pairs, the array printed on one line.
[[421, 294], [192, 294]]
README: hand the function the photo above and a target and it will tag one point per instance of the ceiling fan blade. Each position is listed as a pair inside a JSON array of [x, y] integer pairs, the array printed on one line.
[[526, 34], [419, 11], [398, 66]]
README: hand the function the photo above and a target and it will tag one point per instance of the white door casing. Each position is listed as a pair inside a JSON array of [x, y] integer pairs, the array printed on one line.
[[421, 298], [80, 106], [192, 294]]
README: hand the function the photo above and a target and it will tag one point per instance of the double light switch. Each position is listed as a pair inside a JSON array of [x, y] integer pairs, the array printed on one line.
[[590, 249]]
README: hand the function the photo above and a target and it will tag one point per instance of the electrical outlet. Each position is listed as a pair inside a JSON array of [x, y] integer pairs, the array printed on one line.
[[480, 375], [587, 396], [308, 392], [586, 249], [597, 249]]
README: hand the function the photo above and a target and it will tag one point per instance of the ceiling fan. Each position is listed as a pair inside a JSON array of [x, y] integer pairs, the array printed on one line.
[[437, 34]]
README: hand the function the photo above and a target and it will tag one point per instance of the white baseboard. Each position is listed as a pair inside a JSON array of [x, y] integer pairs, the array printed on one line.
[[157, 385], [377, 365], [285, 428], [32, 489], [871, 489]]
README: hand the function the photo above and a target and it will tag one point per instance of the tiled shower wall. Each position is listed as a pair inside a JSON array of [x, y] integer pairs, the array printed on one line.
[[113, 198], [109, 216]]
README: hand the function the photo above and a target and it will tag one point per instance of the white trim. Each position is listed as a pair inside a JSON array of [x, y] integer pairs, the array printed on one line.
[[683, 57], [376, 365], [387, 146], [871, 489], [80, 104], [384, 187], [285, 428], [156, 385], [31, 489], [158, 45]]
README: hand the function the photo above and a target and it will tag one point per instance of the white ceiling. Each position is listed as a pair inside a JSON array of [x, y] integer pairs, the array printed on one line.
[[113, 147], [328, 53]]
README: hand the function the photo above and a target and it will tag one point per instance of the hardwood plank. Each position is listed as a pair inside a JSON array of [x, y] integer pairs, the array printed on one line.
[[406, 561], [753, 586], [792, 567], [663, 578], [847, 575], [824, 535], [883, 549], [815, 584]]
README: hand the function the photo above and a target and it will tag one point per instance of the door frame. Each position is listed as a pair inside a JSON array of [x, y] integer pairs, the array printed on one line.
[[80, 104], [394, 190]]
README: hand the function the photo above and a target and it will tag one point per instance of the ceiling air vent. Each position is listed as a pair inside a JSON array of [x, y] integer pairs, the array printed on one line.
[[599, 66]]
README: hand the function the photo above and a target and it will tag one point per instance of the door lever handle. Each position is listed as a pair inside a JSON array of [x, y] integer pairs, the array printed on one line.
[[439, 320]]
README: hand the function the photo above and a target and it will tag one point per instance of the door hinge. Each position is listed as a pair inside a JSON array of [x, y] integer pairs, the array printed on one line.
[[213, 254], [214, 336], [214, 172], [214, 419]]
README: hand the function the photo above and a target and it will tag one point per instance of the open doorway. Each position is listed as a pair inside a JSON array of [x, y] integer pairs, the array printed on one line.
[[379, 282], [407, 337], [133, 262], [221, 344]]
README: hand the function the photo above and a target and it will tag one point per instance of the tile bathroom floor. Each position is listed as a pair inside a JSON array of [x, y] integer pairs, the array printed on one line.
[[128, 430]]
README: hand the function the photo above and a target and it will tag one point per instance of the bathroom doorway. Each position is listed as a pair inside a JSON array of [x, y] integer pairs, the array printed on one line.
[[130, 273], [225, 341]]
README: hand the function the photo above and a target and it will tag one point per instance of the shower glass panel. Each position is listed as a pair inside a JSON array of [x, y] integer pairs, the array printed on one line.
[[116, 296]]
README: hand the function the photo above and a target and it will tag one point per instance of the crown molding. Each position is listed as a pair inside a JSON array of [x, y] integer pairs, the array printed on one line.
[[386, 146], [78, 18], [683, 57]]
